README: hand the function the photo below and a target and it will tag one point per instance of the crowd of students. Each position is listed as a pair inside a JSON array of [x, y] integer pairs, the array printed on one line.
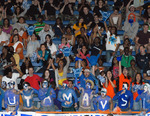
[[88, 43]]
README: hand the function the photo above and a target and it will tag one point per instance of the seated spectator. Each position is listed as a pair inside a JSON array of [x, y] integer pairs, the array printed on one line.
[[69, 36], [110, 84], [124, 77], [142, 38], [58, 28], [47, 76], [124, 95], [133, 70], [39, 25], [66, 10], [43, 54], [142, 58], [87, 16], [146, 72], [10, 76], [7, 28], [61, 71], [50, 45], [6, 59], [115, 68], [34, 10], [137, 85], [78, 26], [17, 45], [115, 19], [32, 46], [64, 43], [3, 38], [46, 30], [126, 43], [19, 12], [33, 79], [126, 58], [100, 6], [81, 4], [15, 31], [50, 10], [131, 26], [112, 42]]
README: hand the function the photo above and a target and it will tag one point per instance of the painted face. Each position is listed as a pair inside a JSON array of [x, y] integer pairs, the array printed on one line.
[[125, 87], [145, 89], [25, 87], [11, 84], [45, 84], [88, 85]]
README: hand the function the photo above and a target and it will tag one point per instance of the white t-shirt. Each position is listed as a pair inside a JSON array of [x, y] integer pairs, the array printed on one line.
[[112, 41], [122, 48], [53, 49], [3, 37], [14, 78]]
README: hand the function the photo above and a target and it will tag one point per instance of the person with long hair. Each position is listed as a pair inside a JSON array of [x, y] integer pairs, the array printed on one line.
[[137, 85], [110, 84], [50, 45], [7, 28], [47, 76], [80, 23]]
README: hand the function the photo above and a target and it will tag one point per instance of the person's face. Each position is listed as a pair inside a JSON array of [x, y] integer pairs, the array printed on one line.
[[132, 9], [70, 85], [58, 21], [103, 94], [115, 60], [50, 1], [132, 63], [15, 39], [148, 10], [109, 74], [61, 63], [15, 31], [100, 3], [6, 21], [21, 20], [43, 48], [40, 20], [33, 37], [86, 73], [97, 40], [100, 62], [142, 49], [145, 28], [113, 30], [84, 49], [31, 71], [9, 74], [46, 28], [96, 18], [47, 39], [81, 20], [27, 62], [125, 71], [47, 73], [68, 30], [126, 41], [64, 41], [126, 51], [138, 77], [18, 9], [4, 50], [57, 60], [80, 40], [82, 30], [115, 12], [85, 10]]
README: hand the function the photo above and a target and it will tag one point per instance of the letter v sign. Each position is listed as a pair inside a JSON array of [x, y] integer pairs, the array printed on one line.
[[103, 105]]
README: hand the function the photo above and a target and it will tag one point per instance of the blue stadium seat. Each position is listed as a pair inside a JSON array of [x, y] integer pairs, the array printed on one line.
[[31, 22], [107, 64], [49, 22], [39, 74], [76, 12], [110, 2]]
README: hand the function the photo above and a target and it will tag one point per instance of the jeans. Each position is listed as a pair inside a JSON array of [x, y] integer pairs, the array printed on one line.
[[108, 55]]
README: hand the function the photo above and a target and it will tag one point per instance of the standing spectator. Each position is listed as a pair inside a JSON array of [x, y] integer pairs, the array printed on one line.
[[33, 79], [115, 19], [10, 76], [50, 10], [142, 38], [39, 25], [87, 16], [112, 42], [125, 98], [3, 38], [58, 28], [142, 58], [66, 96], [131, 26], [46, 30]]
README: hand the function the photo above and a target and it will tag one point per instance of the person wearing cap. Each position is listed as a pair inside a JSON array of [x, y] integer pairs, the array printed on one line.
[[87, 75], [3, 38], [67, 97], [125, 98], [86, 95], [11, 98], [104, 102]]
